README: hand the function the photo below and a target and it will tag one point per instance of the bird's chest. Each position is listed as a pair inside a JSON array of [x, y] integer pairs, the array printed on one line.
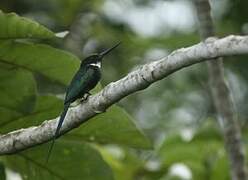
[[95, 78]]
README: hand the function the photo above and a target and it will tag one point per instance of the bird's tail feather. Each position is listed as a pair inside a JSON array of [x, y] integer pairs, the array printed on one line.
[[61, 120]]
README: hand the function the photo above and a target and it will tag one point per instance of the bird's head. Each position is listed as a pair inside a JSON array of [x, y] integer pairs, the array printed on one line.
[[96, 59]]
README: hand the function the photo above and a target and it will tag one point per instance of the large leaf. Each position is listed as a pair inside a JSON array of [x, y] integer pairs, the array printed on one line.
[[221, 168], [17, 94], [69, 160], [125, 163], [46, 107], [114, 126], [56, 65], [200, 154], [14, 26], [176, 150]]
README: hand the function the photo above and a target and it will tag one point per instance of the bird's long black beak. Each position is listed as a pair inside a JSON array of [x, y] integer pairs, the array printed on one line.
[[102, 54]]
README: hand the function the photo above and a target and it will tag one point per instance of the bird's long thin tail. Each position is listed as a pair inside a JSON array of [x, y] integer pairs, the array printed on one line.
[[61, 120]]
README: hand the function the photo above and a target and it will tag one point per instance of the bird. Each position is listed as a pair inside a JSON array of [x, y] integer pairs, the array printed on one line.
[[85, 79]]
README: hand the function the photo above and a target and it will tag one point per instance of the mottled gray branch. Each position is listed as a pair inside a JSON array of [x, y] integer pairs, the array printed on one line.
[[221, 97], [137, 80]]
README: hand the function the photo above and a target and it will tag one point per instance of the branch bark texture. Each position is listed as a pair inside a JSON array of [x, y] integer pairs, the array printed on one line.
[[222, 98], [137, 80]]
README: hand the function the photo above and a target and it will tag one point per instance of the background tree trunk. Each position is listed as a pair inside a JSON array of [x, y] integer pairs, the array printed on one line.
[[222, 98]]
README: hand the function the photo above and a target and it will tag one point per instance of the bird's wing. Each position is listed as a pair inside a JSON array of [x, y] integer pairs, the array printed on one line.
[[79, 84]]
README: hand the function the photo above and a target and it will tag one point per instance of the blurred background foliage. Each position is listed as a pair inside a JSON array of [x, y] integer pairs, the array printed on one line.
[[169, 131]]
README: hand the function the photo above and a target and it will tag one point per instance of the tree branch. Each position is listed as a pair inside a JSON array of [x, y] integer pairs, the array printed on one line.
[[221, 97], [137, 80]]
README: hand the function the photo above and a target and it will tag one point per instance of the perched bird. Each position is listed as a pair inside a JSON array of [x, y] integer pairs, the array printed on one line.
[[83, 81]]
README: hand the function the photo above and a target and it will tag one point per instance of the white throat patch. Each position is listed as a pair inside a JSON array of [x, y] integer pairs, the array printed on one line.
[[98, 64]]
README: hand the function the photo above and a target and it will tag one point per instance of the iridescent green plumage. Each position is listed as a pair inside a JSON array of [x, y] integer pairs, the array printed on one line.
[[85, 79]]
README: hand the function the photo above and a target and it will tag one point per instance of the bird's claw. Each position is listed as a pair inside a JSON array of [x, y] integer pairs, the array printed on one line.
[[85, 97]]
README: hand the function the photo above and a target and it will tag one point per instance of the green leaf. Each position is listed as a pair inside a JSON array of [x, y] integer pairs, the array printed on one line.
[[176, 150], [221, 168], [17, 94], [200, 154], [46, 107], [207, 132], [126, 165], [198, 169], [114, 126], [14, 26], [69, 160], [17, 89], [56, 65]]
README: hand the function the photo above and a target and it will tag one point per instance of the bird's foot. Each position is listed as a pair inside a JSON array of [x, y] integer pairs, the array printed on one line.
[[85, 97]]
